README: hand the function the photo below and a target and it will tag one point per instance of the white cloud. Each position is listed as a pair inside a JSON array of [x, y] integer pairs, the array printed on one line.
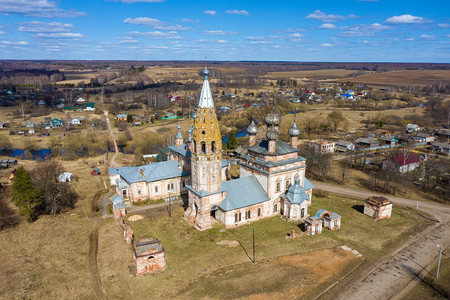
[[37, 8], [410, 39], [18, 43], [143, 21], [210, 12], [186, 20], [238, 12], [260, 42], [405, 19], [59, 35], [222, 41], [321, 16], [290, 30], [126, 40], [427, 36], [327, 26], [295, 35], [444, 25], [2, 32], [363, 30], [219, 32], [327, 45], [172, 27], [155, 34], [37, 26], [255, 38]]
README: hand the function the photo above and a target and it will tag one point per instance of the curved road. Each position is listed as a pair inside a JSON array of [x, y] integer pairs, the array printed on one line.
[[395, 275]]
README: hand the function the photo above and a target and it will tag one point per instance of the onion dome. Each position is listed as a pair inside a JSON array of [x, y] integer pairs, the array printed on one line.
[[179, 135], [205, 73], [294, 130], [272, 133], [252, 129], [273, 118]]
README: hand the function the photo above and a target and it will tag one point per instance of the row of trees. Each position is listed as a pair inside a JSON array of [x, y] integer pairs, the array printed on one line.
[[40, 192]]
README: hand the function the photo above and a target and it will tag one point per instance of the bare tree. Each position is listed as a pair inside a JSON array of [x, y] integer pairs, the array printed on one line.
[[22, 110]]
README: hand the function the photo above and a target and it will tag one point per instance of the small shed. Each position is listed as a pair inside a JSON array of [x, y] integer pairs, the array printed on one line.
[[119, 209], [65, 177], [332, 221], [95, 172], [148, 256], [378, 207]]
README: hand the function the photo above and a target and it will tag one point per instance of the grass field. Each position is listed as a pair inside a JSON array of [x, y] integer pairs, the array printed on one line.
[[408, 77], [328, 73], [48, 258]]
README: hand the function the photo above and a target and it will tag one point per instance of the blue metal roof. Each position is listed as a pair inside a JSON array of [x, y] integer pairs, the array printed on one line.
[[296, 193], [242, 192], [308, 185], [117, 199], [152, 172], [225, 163], [281, 148], [320, 212], [122, 184], [119, 205], [181, 150]]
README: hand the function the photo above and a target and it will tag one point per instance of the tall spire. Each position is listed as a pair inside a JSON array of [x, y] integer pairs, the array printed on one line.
[[206, 100]]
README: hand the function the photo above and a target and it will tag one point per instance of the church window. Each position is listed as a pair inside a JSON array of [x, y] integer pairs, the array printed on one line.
[[275, 208], [203, 132], [156, 190], [247, 214], [184, 183], [195, 146], [213, 147], [237, 217], [124, 193], [259, 212], [203, 145], [303, 213], [170, 187], [278, 186], [288, 183]]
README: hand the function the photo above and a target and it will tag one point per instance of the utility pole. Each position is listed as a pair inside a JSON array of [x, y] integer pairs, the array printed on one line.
[[439, 262], [254, 257]]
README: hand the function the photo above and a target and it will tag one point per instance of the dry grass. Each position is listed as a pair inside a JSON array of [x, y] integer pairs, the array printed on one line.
[[334, 73], [418, 77]]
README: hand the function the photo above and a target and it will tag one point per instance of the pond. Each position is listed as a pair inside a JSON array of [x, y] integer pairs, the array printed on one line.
[[37, 154]]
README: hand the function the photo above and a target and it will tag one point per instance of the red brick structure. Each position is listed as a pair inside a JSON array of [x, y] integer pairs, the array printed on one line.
[[378, 207], [148, 256]]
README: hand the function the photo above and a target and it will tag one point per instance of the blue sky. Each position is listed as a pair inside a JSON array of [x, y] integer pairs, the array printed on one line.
[[345, 30]]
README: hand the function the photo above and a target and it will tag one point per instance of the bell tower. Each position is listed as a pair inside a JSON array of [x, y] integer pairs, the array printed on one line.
[[206, 163], [205, 193]]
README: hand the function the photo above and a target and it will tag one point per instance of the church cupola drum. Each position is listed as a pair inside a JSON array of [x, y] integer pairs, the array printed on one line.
[[206, 163]]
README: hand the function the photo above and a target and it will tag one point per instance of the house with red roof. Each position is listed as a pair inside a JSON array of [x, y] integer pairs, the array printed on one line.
[[403, 163]]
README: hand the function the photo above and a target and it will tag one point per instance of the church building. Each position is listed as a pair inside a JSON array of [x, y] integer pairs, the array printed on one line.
[[272, 174]]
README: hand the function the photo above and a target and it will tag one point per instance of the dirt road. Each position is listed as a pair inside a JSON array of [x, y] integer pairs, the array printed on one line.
[[112, 163], [93, 250], [393, 276]]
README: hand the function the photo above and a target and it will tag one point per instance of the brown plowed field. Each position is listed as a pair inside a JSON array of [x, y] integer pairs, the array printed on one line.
[[408, 77]]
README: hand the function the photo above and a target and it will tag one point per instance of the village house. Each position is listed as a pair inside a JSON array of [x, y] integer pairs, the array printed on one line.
[[378, 207], [412, 128], [365, 142], [29, 124], [65, 177], [344, 146], [148, 256], [423, 137], [324, 147], [95, 172], [403, 163], [121, 117], [441, 147], [90, 106], [75, 121], [388, 140], [444, 133]]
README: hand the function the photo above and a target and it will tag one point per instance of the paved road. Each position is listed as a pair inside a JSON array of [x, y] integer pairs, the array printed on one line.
[[395, 275]]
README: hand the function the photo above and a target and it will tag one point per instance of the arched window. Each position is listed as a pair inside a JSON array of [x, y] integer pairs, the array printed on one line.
[[195, 147], [278, 186], [203, 145], [156, 190], [213, 147]]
